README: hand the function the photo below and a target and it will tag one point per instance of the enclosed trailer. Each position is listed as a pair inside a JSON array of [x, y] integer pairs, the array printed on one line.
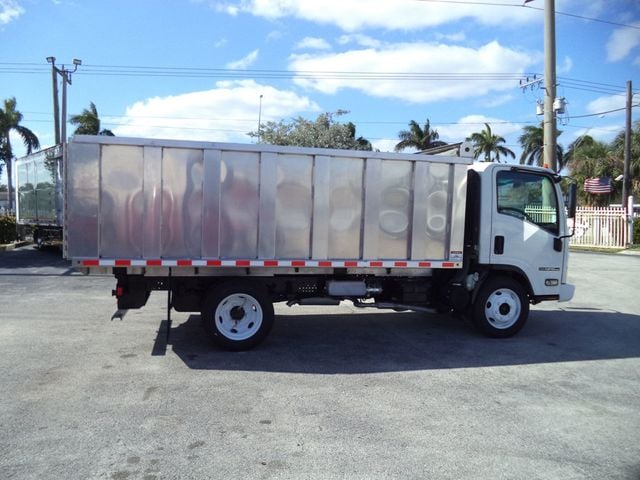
[[39, 196]]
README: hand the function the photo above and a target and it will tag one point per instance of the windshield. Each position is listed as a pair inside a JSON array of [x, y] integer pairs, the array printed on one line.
[[530, 197]]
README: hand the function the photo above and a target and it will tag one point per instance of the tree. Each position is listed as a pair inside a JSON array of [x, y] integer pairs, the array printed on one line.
[[617, 149], [324, 132], [532, 142], [588, 158], [10, 120], [489, 143], [89, 122], [418, 138]]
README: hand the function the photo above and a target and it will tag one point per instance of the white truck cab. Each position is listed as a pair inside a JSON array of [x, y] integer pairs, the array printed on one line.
[[527, 227]]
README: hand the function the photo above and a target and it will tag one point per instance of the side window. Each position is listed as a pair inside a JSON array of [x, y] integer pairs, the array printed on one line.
[[530, 197]]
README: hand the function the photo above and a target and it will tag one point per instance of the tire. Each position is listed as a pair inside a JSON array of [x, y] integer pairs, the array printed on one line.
[[37, 239], [237, 315], [501, 308]]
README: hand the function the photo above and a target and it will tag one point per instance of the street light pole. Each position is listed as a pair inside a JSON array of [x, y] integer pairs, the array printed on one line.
[[61, 126]]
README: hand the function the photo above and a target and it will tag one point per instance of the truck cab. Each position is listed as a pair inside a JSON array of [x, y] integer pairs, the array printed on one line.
[[516, 241]]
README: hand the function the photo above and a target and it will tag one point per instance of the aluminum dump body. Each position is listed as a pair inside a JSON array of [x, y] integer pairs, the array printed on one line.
[[38, 188], [148, 201]]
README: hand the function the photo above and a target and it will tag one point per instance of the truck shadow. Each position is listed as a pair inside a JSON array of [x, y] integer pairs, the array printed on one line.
[[379, 342], [30, 257]]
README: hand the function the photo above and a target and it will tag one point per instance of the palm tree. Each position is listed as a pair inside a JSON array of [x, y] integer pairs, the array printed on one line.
[[418, 138], [588, 158], [89, 123], [488, 143], [10, 120], [532, 142], [617, 148]]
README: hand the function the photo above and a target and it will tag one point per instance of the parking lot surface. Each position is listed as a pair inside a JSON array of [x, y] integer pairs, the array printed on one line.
[[333, 393]]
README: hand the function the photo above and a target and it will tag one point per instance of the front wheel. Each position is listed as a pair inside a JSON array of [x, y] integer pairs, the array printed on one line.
[[237, 316], [501, 307]]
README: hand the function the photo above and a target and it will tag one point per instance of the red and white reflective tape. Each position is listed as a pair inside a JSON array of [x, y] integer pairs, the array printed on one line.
[[121, 262]]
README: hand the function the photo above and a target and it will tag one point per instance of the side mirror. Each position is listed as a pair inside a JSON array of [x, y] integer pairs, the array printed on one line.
[[572, 201]]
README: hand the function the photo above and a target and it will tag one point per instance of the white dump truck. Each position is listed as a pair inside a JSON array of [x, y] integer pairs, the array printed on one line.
[[229, 229]]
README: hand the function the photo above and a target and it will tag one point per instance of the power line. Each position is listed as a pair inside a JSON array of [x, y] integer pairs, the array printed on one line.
[[598, 114], [200, 72], [521, 5], [165, 71]]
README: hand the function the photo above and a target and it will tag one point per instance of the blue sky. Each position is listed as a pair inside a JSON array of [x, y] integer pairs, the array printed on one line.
[[195, 69]]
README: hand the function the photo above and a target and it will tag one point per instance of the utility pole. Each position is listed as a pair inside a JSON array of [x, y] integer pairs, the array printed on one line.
[[60, 125], [550, 128], [56, 106], [626, 181], [260, 119]]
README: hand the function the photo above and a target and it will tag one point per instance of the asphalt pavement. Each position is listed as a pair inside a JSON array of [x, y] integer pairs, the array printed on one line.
[[333, 393]]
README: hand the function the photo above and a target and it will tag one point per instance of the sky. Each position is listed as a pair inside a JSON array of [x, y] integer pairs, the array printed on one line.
[[210, 69]]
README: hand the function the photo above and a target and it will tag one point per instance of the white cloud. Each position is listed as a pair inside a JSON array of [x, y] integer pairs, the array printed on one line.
[[494, 102], [274, 35], [353, 15], [475, 123], [602, 133], [313, 43], [359, 39], [385, 144], [451, 37], [245, 62], [621, 42], [415, 59], [608, 103], [9, 10], [607, 133], [225, 114], [566, 66]]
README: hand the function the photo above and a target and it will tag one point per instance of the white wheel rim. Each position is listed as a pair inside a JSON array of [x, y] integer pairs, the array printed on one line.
[[238, 316], [502, 308]]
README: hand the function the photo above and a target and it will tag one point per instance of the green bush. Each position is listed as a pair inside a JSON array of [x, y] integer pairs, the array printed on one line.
[[7, 228], [636, 231]]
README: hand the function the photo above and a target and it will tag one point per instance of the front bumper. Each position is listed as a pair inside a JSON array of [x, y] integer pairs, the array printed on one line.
[[566, 292]]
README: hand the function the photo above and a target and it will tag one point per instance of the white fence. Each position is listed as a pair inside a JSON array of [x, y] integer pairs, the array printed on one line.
[[600, 227], [595, 227]]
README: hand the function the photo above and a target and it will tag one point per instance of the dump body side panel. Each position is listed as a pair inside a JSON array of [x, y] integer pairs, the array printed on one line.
[[153, 201]]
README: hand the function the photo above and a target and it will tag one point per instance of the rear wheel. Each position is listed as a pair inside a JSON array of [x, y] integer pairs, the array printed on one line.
[[37, 239], [501, 307], [237, 316]]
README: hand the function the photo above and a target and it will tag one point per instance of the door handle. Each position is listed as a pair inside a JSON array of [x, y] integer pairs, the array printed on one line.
[[498, 245]]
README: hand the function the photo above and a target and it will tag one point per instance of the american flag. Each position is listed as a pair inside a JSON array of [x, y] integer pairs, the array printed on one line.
[[598, 186]]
